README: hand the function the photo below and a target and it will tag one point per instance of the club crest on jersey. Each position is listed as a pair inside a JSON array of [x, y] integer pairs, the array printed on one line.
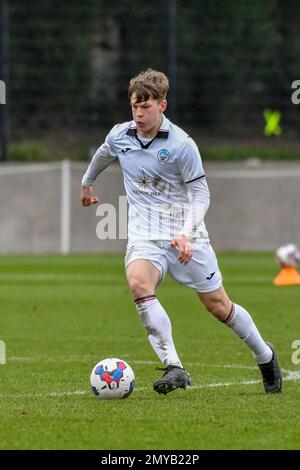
[[163, 155]]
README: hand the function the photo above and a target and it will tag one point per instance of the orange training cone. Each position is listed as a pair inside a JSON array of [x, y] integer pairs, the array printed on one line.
[[288, 276]]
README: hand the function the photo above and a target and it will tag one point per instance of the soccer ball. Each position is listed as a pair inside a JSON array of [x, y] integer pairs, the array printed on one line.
[[288, 255], [112, 378]]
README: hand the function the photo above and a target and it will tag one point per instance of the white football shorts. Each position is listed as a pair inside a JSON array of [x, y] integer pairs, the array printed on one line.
[[202, 272]]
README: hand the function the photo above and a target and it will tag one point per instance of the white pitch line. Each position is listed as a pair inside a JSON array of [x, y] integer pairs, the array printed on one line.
[[44, 277], [291, 375], [44, 395], [86, 357], [66, 359], [57, 277], [200, 364]]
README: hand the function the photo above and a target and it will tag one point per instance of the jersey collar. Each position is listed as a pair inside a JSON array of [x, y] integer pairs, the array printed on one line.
[[162, 133]]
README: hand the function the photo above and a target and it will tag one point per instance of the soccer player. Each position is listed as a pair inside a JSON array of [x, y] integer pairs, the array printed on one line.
[[168, 197]]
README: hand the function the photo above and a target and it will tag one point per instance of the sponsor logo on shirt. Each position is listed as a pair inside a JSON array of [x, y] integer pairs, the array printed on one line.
[[144, 181]]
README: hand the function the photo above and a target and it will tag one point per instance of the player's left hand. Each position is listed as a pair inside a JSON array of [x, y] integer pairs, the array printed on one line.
[[185, 248]]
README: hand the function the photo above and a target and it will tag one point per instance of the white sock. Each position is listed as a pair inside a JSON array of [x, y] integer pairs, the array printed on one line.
[[242, 324], [159, 329]]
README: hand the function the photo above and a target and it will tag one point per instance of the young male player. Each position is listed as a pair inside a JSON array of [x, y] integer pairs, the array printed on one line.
[[168, 198]]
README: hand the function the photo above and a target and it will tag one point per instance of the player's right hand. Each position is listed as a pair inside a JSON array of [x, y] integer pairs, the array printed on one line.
[[86, 196], [185, 248]]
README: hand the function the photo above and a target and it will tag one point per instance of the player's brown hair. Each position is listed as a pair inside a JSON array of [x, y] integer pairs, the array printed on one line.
[[149, 84]]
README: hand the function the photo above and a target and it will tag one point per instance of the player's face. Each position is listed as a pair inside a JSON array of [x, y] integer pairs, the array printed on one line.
[[147, 115]]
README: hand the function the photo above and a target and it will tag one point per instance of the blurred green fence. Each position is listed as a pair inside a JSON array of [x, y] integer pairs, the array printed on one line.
[[70, 62]]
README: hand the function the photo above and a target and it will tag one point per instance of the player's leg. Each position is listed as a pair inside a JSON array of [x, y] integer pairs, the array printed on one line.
[[238, 320], [241, 323], [143, 277], [203, 275]]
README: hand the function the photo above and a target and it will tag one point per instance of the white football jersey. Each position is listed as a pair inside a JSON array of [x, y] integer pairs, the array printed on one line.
[[156, 176]]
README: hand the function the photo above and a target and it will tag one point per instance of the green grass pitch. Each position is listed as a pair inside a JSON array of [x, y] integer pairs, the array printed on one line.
[[61, 315]]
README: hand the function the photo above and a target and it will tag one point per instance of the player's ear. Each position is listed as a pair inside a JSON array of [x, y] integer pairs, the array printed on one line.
[[164, 105]]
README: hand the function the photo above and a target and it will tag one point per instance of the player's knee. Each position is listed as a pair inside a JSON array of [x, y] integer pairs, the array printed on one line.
[[139, 287], [219, 308]]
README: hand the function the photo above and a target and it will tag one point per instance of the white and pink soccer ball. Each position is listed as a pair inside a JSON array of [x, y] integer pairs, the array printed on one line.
[[112, 378], [288, 255]]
